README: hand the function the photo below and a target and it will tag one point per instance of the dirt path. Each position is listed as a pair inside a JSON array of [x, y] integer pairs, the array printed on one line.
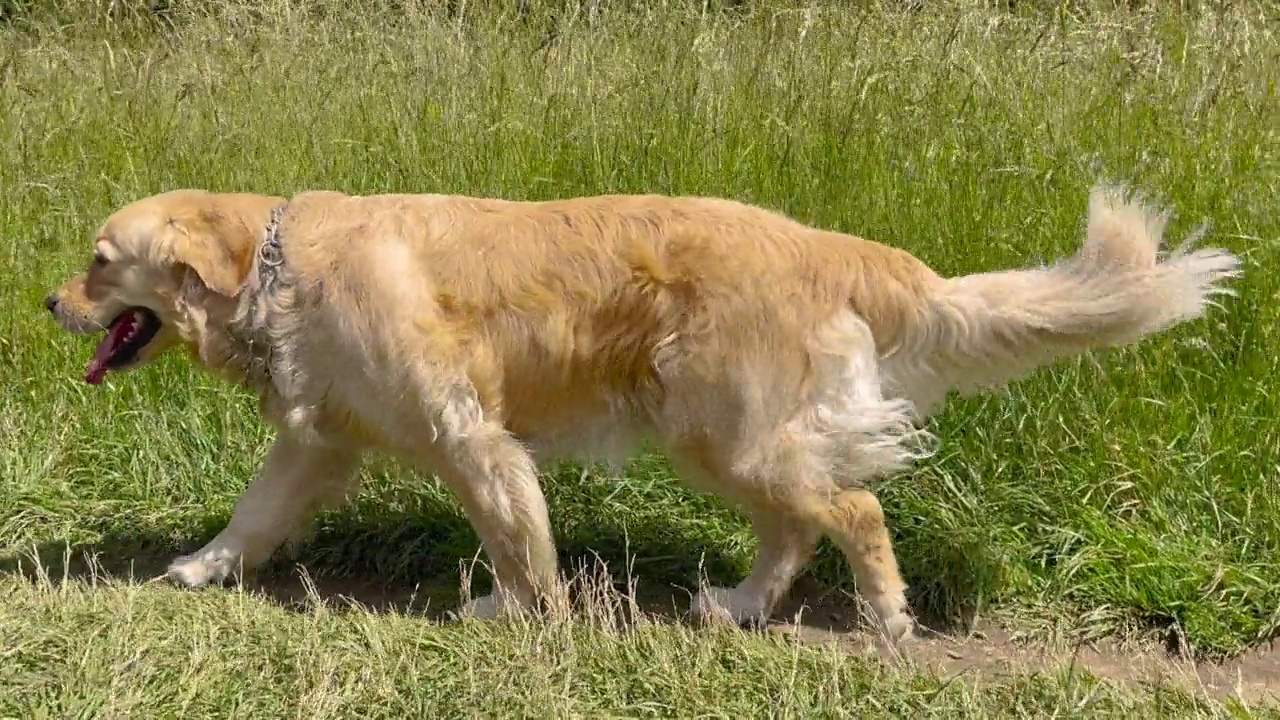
[[1253, 677]]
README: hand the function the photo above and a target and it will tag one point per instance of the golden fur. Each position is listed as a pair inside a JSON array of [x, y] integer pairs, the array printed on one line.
[[782, 367]]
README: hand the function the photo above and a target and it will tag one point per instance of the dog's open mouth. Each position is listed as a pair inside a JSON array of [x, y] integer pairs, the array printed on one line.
[[126, 336]]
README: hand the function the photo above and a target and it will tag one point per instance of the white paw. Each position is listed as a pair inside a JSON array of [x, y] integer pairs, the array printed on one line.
[[488, 607], [203, 567], [891, 619], [897, 628], [730, 605]]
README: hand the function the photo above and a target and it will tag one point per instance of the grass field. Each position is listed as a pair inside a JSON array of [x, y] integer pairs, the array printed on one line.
[[1132, 494]]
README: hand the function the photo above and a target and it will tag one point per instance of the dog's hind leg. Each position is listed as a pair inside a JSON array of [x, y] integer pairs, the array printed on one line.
[[855, 521], [808, 476], [786, 546], [771, 479], [296, 478], [790, 512]]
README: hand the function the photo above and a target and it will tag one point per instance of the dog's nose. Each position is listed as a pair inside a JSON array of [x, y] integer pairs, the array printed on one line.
[[51, 303]]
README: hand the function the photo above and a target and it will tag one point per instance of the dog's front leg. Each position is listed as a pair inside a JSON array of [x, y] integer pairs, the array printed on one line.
[[296, 478]]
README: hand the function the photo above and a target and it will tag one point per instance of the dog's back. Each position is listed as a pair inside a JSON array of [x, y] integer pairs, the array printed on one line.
[[578, 319]]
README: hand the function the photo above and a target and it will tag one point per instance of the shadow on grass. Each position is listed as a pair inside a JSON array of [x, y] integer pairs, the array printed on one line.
[[414, 562]]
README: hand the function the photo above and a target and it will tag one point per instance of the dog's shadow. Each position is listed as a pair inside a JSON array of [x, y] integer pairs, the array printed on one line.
[[415, 560]]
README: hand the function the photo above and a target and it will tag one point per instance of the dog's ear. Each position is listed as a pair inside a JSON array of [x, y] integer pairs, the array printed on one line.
[[217, 263], [218, 241]]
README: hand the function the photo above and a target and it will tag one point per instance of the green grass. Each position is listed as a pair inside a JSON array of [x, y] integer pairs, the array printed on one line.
[[1130, 491], [111, 650]]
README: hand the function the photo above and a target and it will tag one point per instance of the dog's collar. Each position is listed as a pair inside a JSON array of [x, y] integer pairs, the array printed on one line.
[[270, 259], [270, 253]]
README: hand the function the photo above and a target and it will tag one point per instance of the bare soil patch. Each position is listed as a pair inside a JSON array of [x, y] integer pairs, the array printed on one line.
[[1252, 677]]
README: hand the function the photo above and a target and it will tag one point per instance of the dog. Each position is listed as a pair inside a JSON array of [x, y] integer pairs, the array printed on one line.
[[782, 367]]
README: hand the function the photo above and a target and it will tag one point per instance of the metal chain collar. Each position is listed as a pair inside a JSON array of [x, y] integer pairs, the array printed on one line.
[[270, 254]]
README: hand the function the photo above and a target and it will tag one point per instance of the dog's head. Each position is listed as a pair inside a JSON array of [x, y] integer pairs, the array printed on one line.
[[157, 267]]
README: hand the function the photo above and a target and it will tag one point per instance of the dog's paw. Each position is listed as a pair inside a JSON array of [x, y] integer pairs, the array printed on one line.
[[489, 607], [200, 569], [897, 629], [730, 605]]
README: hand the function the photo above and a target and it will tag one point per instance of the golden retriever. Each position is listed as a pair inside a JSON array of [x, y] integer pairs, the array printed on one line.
[[782, 367]]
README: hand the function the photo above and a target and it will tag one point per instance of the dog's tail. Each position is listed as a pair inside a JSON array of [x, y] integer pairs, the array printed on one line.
[[988, 329]]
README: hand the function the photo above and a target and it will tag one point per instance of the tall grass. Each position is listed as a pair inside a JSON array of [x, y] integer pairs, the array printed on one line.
[[1133, 489]]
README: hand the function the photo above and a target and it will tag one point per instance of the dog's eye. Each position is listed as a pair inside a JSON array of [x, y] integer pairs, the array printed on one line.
[[99, 260]]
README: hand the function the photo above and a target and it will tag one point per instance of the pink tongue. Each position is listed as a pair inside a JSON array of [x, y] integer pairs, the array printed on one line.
[[115, 337]]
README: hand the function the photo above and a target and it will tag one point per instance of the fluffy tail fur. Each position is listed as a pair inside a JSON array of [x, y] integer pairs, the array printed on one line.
[[988, 329]]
